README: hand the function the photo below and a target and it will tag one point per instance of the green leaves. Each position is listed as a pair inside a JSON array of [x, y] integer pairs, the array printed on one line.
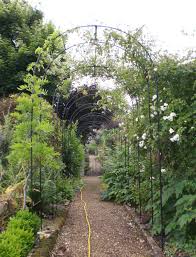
[[21, 32], [73, 152], [18, 239]]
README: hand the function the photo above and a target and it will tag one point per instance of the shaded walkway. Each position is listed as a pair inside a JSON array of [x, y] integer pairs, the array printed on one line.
[[113, 233]]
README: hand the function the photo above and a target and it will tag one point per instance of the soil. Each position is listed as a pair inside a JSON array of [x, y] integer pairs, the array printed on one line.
[[113, 232]]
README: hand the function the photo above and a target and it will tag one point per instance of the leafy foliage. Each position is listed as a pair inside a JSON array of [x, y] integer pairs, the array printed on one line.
[[22, 32], [177, 127], [73, 155], [19, 236]]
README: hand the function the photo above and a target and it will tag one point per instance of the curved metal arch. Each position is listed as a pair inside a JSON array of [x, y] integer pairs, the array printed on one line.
[[77, 111], [94, 115], [154, 79], [81, 131], [88, 124], [86, 43], [82, 97], [111, 28], [97, 26]]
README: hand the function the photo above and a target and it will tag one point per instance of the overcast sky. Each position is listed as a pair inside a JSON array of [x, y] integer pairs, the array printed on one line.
[[164, 20]]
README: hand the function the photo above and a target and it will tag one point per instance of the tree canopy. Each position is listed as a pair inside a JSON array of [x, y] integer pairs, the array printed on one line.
[[22, 31]]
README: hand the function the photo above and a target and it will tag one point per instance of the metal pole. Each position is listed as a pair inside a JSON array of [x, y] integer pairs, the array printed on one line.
[[31, 151], [150, 154], [159, 164], [138, 161], [128, 152], [40, 170], [125, 151], [139, 179]]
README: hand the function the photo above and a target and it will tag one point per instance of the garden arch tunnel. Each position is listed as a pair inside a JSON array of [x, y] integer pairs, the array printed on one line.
[[135, 54]]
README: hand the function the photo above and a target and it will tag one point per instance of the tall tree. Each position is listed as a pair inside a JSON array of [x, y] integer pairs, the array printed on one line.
[[22, 30]]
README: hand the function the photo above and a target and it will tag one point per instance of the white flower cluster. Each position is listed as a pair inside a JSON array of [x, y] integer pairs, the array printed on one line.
[[164, 107], [163, 170], [152, 115], [171, 130], [154, 97], [175, 138], [121, 124], [142, 142], [170, 117]]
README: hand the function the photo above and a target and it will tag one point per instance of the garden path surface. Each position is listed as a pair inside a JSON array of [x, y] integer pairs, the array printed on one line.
[[113, 232]]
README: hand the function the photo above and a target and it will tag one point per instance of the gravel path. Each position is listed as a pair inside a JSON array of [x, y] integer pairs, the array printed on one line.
[[113, 232]]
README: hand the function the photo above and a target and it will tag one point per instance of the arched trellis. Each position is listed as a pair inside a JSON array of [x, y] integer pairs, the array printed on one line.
[[150, 69]]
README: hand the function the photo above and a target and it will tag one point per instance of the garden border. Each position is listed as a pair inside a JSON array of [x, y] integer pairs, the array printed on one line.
[[157, 252], [43, 247]]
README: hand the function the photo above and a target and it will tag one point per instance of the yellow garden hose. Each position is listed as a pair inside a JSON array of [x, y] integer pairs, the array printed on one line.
[[88, 223]]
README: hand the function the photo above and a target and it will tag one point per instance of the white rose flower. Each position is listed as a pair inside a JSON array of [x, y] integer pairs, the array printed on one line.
[[141, 144], [144, 136], [170, 118], [163, 108], [171, 130], [172, 114], [163, 170], [152, 115], [155, 113], [175, 138], [154, 97], [142, 116]]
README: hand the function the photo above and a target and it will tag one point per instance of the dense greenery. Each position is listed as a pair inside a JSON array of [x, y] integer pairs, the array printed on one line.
[[22, 31], [36, 129], [19, 236], [40, 146], [73, 156], [177, 128]]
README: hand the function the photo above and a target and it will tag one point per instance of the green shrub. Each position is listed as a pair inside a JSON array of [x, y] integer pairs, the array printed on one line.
[[25, 220], [73, 153], [64, 189], [16, 242], [19, 237]]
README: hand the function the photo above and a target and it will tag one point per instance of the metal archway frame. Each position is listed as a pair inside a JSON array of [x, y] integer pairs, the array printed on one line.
[[155, 81]]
